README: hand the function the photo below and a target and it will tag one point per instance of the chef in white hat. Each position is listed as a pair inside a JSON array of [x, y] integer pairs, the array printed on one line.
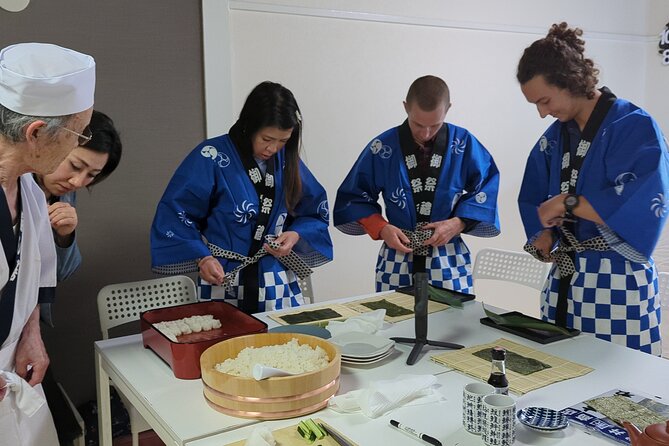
[[46, 102]]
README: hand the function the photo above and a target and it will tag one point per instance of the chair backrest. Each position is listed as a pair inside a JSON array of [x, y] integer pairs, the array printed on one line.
[[307, 289], [121, 303], [510, 266], [663, 278]]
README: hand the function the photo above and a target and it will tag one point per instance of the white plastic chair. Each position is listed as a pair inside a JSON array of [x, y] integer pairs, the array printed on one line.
[[307, 289], [663, 278], [510, 266], [121, 303]]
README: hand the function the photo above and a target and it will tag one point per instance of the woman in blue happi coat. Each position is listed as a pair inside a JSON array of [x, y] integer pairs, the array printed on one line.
[[244, 210], [594, 196]]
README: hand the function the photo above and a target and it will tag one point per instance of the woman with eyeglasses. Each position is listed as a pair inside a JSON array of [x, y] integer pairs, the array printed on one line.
[[245, 211], [594, 196]]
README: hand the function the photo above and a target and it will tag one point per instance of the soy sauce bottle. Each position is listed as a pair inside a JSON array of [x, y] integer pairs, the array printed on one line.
[[498, 374]]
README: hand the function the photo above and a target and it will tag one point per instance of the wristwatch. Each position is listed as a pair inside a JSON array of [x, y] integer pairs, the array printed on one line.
[[570, 203]]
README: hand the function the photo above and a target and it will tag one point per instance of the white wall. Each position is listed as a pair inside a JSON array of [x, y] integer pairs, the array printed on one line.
[[349, 64], [657, 103]]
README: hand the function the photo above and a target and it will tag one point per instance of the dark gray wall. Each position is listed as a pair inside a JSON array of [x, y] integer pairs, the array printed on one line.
[[149, 80]]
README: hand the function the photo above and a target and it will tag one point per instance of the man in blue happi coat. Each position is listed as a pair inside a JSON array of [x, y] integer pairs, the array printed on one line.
[[594, 196], [437, 182]]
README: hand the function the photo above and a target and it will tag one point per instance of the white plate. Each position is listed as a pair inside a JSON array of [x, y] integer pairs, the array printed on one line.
[[367, 361], [371, 358], [358, 345]]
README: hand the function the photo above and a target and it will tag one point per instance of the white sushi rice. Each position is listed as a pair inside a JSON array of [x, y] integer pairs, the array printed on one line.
[[290, 356], [187, 325]]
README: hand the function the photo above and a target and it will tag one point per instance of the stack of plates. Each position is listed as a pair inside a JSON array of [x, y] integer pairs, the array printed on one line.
[[542, 419], [363, 348]]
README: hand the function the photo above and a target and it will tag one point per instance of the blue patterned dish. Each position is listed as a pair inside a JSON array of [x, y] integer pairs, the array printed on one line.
[[542, 418]]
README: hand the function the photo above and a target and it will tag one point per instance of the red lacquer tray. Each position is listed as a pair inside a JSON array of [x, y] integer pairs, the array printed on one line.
[[184, 356]]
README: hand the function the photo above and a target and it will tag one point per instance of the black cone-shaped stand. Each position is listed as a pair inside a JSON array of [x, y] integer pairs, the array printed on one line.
[[420, 313]]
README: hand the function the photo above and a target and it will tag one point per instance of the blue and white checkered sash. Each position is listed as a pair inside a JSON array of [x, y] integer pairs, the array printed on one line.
[[568, 243], [291, 261], [417, 238]]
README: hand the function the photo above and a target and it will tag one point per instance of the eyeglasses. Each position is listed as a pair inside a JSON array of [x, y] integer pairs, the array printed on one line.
[[84, 137]]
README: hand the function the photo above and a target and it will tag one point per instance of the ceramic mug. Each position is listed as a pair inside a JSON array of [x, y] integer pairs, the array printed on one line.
[[472, 406], [500, 420]]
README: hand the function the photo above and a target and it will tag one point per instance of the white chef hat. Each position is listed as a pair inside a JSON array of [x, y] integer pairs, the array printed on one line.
[[41, 79]]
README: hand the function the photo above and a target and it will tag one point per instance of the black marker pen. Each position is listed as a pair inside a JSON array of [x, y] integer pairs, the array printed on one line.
[[414, 433]]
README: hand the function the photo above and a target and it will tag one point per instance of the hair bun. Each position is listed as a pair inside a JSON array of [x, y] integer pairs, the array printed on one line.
[[570, 36]]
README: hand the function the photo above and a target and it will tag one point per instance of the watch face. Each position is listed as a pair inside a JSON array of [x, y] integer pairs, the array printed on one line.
[[570, 202]]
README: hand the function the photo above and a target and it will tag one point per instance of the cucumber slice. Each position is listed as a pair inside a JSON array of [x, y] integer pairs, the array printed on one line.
[[305, 432], [310, 430], [315, 429]]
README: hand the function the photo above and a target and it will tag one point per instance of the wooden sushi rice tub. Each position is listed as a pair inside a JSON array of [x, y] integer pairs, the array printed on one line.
[[272, 398]]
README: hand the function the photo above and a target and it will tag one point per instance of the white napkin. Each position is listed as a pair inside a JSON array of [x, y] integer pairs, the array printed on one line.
[[383, 396], [28, 400], [261, 436], [367, 323]]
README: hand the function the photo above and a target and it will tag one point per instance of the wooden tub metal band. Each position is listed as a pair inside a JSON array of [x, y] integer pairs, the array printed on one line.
[[272, 415], [253, 399]]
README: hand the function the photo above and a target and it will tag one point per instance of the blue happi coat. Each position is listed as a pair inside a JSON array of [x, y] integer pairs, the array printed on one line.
[[467, 187], [211, 196], [625, 177]]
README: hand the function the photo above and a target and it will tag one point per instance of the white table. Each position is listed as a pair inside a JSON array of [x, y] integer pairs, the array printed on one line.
[[179, 414]]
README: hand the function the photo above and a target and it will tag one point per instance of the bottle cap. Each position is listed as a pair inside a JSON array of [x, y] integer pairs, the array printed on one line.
[[498, 353]]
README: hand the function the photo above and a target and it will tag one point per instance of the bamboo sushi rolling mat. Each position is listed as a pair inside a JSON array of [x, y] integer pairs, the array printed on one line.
[[466, 362], [401, 301]]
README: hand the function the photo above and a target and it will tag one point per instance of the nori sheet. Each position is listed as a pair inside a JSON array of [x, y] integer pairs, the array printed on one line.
[[515, 362], [392, 310], [311, 316]]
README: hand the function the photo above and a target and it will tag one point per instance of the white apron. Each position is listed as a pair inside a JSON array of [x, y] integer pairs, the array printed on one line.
[[37, 269]]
